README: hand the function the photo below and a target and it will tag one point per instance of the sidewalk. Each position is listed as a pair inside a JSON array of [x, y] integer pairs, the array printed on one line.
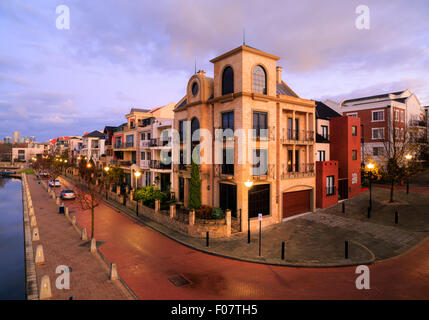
[[312, 240], [62, 246]]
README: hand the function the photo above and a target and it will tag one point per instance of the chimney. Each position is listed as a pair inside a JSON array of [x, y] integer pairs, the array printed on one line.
[[279, 74], [202, 72]]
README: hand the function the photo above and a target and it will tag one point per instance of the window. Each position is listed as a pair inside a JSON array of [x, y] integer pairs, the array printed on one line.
[[402, 115], [228, 81], [378, 115], [148, 156], [354, 130], [194, 89], [228, 120], [325, 132], [148, 136], [377, 151], [130, 141], [353, 114], [181, 131], [354, 154], [142, 155], [330, 185], [396, 133], [259, 81], [195, 125], [259, 200], [132, 124], [377, 133], [260, 123], [228, 161], [143, 136], [260, 162], [321, 155], [118, 142], [396, 115]]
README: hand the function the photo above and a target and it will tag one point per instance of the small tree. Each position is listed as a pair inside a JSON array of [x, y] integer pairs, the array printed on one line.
[[148, 195], [195, 187]]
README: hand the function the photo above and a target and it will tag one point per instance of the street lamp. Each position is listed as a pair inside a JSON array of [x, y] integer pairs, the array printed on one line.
[[408, 157], [370, 167], [137, 174], [106, 169], [89, 165], [248, 183]]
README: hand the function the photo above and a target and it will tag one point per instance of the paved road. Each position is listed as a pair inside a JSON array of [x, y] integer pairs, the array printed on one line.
[[146, 259]]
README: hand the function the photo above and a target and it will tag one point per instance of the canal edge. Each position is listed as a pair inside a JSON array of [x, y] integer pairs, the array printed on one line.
[[31, 291]]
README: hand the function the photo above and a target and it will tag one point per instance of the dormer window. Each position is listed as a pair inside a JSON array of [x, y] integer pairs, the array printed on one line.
[[259, 80], [228, 81]]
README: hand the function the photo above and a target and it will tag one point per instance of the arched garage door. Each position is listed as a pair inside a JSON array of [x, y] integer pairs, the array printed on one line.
[[296, 202]]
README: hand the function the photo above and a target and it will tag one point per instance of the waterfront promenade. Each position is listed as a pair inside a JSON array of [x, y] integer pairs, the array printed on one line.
[[62, 246]]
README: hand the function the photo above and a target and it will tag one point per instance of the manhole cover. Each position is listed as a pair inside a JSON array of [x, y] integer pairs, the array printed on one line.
[[178, 281]]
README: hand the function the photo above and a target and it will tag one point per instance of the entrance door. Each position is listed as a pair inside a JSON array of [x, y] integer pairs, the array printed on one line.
[[343, 186], [181, 189], [165, 181], [295, 203], [228, 198]]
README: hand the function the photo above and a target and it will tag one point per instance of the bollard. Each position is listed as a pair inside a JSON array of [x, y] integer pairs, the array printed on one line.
[[93, 248], [283, 250], [343, 207], [396, 217], [73, 220], [31, 212], [369, 212], [248, 230], [33, 222], [45, 288], [172, 211], [36, 234], [113, 274], [83, 235], [40, 257], [207, 239], [157, 205], [66, 212], [57, 201], [346, 249], [191, 217]]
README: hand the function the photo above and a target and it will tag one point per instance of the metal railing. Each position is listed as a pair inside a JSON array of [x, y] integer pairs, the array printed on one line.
[[157, 164], [297, 135], [297, 170]]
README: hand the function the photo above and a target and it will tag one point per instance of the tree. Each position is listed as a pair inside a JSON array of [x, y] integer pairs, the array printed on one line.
[[148, 195], [398, 145], [195, 187]]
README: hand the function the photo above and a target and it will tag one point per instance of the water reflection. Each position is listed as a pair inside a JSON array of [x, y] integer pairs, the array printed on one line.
[[12, 270]]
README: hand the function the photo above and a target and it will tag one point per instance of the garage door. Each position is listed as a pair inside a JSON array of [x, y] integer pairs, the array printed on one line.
[[295, 203]]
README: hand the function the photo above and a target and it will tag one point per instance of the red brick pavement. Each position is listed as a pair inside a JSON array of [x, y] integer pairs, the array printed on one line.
[[146, 259], [412, 188], [60, 241]]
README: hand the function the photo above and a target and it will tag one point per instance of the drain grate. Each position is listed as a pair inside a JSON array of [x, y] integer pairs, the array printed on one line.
[[179, 281]]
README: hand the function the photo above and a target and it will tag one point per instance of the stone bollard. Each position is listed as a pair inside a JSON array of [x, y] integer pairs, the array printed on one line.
[[53, 196], [66, 212], [57, 201], [157, 205], [93, 247], [113, 274], [83, 235], [40, 257], [73, 220], [228, 222], [45, 288], [172, 211], [118, 191], [31, 212], [36, 234], [33, 222], [191, 217]]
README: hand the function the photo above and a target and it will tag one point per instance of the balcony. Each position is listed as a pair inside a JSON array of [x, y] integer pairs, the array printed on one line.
[[144, 143], [300, 170], [157, 164], [127, 145], [290, 136], [417, 123], [144, 163], [159, 143]]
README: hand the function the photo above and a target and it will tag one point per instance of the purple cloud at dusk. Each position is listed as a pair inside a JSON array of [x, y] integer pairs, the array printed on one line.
[[122, 54]]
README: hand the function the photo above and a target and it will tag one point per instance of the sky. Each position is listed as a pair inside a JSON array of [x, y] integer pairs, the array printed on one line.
[[122, 54]]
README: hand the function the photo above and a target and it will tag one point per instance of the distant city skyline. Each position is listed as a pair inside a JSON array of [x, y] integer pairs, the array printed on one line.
[[66, 82]]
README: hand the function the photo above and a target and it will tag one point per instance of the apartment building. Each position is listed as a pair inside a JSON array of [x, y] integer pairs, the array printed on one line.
[[138, 146], [386, 115], [23, 152], [92, 145], [272, 170]]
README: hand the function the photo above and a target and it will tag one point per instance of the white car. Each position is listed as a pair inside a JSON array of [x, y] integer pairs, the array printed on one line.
[[68, 194], [57, 183]]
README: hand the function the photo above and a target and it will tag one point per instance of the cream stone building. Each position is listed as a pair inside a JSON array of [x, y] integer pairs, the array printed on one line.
[[277, 176]]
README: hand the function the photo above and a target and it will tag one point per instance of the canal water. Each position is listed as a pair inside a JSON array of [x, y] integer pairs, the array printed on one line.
[[12, 268]]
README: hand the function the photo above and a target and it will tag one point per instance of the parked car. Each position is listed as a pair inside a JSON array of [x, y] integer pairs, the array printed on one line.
[[57, 183], [67, 194]]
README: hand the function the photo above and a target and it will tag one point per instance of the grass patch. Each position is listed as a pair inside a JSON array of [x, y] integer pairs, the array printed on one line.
[[27, 171]]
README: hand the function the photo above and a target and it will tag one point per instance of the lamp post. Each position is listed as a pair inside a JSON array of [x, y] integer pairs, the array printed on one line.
[[248, 184], [370, 167], [106, 169], [137, 174], [408, 157]]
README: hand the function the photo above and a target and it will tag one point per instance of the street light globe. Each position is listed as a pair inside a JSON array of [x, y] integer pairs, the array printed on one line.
[[248, 183], [370, 166], [137, 174], [89, 165], [408, 157], [106, 168], [65, 161]]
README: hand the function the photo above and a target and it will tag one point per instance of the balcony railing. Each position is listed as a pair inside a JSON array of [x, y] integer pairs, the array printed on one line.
[[123, 145], [144, 143], [297, 135], [157, 164], [297, 170], [145, 163], [417, 123], [158, 142]]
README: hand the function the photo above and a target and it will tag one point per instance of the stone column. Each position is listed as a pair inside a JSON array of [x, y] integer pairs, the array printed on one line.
[[228, 222], [191, 217], [172, 211], [157, 205]]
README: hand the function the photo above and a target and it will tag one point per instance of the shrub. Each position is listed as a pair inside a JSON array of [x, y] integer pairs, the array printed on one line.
[[204, 212], [217, 213], [148, 195]]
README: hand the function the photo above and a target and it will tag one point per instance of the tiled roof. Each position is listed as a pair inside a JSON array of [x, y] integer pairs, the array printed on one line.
[[94, 134], [384, 95], [284, 89], [139, 110], [324, 112], [180, 106]]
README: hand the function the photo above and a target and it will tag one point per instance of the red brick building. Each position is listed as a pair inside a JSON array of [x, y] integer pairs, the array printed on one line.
[[326, 183]]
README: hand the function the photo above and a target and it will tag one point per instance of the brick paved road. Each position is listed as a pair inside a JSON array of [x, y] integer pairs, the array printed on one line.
[[61, 246], [146, 259]]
